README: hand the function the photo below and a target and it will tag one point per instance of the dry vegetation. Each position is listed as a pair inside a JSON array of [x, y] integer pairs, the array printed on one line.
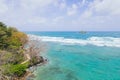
[[14, 46]]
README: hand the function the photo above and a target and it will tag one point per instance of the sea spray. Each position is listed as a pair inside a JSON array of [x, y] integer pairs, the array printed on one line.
[[97, 41]]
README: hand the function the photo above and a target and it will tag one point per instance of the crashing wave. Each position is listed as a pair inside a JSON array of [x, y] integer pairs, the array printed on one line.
[[98, 41]]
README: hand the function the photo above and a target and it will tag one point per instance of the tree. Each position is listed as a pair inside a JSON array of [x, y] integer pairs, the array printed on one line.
[[14, 46], [11, 53], [11, 38], [17, 40]]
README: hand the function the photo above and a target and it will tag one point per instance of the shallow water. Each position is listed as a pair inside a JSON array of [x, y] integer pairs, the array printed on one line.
[[80, 62]]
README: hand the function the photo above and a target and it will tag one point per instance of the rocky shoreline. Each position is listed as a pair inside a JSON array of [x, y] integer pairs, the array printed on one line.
[[29, 72]]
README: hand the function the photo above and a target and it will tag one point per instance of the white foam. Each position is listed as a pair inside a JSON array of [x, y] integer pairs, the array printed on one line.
[[98, 41]]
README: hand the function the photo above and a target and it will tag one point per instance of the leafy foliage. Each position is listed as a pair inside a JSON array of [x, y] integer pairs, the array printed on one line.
[[13, 51], [12, 42], [15, 70], [11, 38]]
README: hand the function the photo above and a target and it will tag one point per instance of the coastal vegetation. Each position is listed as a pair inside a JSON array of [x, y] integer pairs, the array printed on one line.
[[17, 53]]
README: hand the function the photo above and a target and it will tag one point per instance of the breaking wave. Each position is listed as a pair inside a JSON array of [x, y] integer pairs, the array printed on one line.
[[97, 41]]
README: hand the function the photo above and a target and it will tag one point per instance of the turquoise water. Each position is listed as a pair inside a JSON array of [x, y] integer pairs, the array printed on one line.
[[77, 35], [79, 62]]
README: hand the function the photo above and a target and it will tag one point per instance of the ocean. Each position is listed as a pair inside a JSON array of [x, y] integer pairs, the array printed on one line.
[[79, 56]]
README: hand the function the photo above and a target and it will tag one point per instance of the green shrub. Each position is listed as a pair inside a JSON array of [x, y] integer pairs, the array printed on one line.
[[11, 38], [15, 70], [12, 50]]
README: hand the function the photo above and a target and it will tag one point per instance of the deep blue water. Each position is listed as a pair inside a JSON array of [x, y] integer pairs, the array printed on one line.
[[80, 62], [77, 35]]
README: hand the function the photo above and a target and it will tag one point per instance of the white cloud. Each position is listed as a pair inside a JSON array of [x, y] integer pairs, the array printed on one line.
[[23, 12], [63, 5], [83, 2], [38, 20], [87, 14], [3, 7], [73, 10], [102, 13], [33, 4], [109, 7], [58, 19], [101, 10]]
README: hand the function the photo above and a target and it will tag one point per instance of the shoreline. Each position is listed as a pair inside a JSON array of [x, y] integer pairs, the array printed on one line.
[[29, 72]]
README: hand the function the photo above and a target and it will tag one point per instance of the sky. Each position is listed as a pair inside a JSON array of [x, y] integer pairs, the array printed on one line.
[[61, 15]]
